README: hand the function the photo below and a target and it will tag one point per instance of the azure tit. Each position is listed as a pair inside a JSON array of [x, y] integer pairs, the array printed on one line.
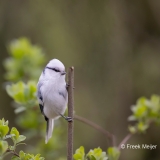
[[52, 94]]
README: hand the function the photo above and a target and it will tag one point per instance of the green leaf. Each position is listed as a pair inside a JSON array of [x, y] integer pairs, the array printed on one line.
[[141, 111], [16, 91], [98, 154], [3, 147], [142, 127], [21, 154], [132, 129], [79, 154], [25, 60], [21, 138], [113, 153], [3, 122], [15, 158], [155, 99], [92, 157], [23, 94], [32, 88], [15, 132], [26, 156], [4, 129], [37, 157]]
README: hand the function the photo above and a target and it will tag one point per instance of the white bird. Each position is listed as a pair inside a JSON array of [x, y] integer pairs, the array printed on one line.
[[52, 94]]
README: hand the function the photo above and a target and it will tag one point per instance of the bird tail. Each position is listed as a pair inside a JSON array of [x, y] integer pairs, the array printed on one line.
[[49, 130]]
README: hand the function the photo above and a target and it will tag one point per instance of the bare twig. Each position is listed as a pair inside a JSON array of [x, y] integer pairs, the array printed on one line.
[[125, 140], [70, 112], [110, 136], [13, 152]]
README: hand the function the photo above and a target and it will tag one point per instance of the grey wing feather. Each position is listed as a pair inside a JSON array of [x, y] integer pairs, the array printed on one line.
[[39, 94], [63, 93], [40, 98]]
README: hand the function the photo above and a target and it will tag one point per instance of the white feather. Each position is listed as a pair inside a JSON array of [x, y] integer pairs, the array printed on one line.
[[49, 130]]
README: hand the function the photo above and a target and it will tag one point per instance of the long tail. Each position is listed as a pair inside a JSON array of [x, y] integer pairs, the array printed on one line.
[[49, 130]]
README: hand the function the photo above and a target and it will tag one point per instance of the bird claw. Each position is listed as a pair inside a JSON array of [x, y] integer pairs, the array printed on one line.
[[69, 119]]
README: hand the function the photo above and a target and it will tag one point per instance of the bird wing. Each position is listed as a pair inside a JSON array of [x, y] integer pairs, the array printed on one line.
[[39, 94], [40, 97], [63, 93]]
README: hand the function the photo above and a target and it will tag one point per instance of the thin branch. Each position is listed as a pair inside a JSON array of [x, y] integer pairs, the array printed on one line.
[[70, 112], [125, 140], [13, 152], [110, 136]]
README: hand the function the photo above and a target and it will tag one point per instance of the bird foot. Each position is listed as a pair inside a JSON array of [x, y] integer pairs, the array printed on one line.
[[69, 119]]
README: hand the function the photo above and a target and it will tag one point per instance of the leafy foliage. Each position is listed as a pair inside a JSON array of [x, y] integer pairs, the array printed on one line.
[[113, 153], [26, 156], [5, 148], [23, 94], [4, 129], [16, 138], [96, 154], [145, 112], [25, 60], [79, 154]]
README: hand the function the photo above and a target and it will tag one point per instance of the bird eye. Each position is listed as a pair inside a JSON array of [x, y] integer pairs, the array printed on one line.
[[56, 70]]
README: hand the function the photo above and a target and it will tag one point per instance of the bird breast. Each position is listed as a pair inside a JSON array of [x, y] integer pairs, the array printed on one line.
[[55, 99]]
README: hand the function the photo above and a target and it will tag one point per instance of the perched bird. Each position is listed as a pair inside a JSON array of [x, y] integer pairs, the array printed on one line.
[[52, 94]]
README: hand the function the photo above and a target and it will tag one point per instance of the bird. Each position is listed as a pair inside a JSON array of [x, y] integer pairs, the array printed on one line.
[[52, 94]]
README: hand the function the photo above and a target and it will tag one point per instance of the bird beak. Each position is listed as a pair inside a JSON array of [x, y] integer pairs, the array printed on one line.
[[63, 73]]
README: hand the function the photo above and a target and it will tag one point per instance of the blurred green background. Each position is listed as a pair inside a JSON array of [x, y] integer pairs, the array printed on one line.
[[114, 47]]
